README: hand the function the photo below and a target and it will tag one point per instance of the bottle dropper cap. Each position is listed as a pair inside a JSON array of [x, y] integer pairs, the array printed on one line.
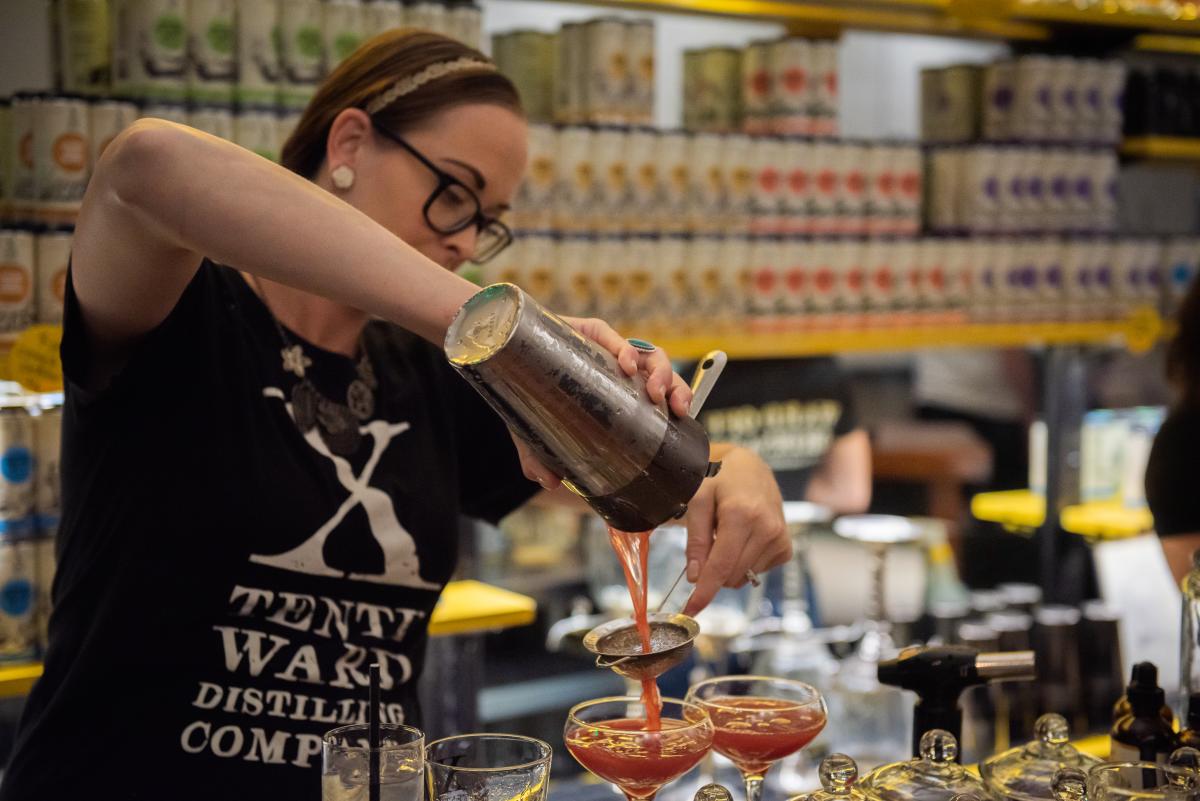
[[1145, 696]]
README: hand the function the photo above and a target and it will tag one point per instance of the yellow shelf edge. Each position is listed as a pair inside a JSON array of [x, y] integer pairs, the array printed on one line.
[[798, 343], [932, 17], [1167, 43], [17, 679], [472, 607], [1175, 148], [1040, 11]]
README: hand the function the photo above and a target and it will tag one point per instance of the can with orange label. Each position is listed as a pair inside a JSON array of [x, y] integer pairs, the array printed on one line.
[[676, 171], [640, 252], [17, 259], [739, 169], [540, 269], [608, 72], [106, 119], [643, 213], [609, 146], [612, 284], [22, 185], [51, 253], [577, 179], [734, 259], [534, 206], [577, 254], [707, 208], [708, 281], [639, 40]]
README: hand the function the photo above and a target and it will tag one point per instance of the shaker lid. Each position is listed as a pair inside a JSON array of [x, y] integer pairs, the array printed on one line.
[[1027, 772], [933, 776]]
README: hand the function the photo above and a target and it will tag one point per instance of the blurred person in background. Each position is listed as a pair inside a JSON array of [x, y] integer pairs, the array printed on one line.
[[799, 416], [1172, 491]]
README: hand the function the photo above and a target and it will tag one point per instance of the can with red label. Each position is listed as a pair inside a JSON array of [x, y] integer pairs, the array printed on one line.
[[106, 119], [17, 260], [906, 271], [797, 185], [52, 252], [881, 191], [793, 61], [851, 214], [795, 265], [769, 158], [825, 112], [910, 169], [931, 284], [850, 268], [61, 156], [826, 188], [766, 287], [879, 283], [757, 88], [823, 287]]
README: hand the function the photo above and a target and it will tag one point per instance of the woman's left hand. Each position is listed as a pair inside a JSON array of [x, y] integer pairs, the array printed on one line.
[[735, 525]]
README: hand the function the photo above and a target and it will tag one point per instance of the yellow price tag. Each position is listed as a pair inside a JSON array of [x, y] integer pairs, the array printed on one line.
[[1144, 327], [34, 362]]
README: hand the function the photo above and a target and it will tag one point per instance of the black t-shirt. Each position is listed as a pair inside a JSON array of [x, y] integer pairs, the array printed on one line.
[[223, 581], [788, 411], [1171, 474]]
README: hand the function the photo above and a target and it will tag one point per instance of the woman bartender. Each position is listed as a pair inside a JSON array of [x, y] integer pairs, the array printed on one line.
[[263, 459]]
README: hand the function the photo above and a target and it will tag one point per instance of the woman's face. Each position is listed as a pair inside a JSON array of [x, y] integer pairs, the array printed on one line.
[[481, 145]]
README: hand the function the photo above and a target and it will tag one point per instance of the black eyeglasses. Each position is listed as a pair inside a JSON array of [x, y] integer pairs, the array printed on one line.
[[454, 207]]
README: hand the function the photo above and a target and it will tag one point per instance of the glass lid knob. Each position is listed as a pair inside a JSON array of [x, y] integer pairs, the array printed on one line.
[[838, 774], [939, 745], [1052, 729]]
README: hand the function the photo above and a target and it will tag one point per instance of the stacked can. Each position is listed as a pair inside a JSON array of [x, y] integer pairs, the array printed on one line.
[[18, 571], [712, 92], [990, 189], [1045, 99], [528, 59], [603, 70]]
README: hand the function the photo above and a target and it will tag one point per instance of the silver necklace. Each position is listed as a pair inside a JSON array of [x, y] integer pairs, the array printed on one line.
[[337, 423]]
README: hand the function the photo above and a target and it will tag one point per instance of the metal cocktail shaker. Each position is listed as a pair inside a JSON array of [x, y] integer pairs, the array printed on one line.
[[634, 462]]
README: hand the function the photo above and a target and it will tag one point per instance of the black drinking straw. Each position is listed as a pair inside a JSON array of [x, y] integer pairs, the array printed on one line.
[[373, 737]]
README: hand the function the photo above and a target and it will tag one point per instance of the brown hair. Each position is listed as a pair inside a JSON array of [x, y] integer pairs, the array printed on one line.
[[372, 69], [1183, 354]]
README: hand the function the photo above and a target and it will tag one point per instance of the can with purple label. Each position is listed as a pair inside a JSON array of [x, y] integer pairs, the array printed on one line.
[[999, 92], [1034, 98]]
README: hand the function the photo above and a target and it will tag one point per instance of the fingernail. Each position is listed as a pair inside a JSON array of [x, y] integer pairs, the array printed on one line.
[[693, 570]]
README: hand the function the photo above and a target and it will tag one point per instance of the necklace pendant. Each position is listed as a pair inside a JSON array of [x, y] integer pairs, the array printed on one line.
[[294, 360], [361, 400]]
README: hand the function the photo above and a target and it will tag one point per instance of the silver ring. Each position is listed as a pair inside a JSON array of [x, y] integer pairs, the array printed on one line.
[[645, 346], [752, 577]]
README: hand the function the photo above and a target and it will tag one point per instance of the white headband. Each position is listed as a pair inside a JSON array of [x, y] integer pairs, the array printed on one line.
[[411, 83]]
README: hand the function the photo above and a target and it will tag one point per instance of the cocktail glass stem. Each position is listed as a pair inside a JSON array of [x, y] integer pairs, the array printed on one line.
[[754, 786], [876, 639]]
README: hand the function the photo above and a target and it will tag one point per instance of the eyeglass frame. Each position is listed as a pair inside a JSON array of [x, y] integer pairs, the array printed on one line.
[[445, 179]]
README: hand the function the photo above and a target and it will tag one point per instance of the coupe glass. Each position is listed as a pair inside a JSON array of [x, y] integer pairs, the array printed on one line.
[[759, 720], [608, 736]]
